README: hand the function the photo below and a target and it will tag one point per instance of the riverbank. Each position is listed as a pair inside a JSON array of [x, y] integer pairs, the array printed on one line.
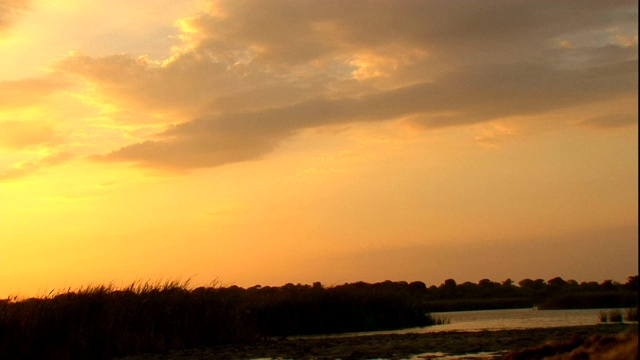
[[394, 346]]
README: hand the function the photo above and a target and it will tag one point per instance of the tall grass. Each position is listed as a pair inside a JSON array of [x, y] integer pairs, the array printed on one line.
[[615, 315], [602, 315], [631, 314], [102, 322], [441, 320]]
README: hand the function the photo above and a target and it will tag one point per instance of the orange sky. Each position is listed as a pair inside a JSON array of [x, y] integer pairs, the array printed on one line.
[[267, 142]]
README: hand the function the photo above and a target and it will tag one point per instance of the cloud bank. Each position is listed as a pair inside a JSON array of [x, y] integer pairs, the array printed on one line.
[[249, 74]]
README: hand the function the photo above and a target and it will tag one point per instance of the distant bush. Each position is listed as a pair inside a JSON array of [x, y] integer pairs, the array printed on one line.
[[441, 320], [615, 316], [602, 315], [631, 314]]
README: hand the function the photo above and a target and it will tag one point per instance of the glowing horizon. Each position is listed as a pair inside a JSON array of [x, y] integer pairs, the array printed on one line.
[[277, 142]]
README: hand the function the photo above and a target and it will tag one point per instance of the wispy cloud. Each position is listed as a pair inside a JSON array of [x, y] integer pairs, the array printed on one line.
[[21, 134], [9, 11], [465, 97], [28, 92], [611, 121], [27, 168]]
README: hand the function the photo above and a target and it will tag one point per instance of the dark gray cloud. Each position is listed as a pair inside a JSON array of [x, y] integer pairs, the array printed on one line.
[[469, 96], [291, 31], [254, 73]]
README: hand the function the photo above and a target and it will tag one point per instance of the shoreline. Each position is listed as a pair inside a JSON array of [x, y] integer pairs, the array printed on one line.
[[393, 346]]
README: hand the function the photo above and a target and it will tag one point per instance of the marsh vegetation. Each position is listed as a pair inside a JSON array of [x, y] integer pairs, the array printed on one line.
[[102, 322], [616, 315]]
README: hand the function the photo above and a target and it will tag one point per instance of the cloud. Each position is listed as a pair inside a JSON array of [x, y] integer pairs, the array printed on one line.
[[9, 11], [138, 82], [244, 47], [611, 121], [28, 92], [289, 32], [466, 97], [30, 167], [249, 74], [22, 134], [494, 134]]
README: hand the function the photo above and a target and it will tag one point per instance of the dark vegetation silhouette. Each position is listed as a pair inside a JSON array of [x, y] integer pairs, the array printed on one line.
[[556, 293], [622, 346], [103, 322]]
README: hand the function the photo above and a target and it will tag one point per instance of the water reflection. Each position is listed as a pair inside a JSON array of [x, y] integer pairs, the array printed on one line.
[[442, 356], [511, 319], [514, 319]]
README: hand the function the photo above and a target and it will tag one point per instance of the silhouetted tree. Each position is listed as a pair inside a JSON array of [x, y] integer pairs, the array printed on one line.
[[556, 284], [449, 284], [572, 285], [589, 286], [526, 283], [448, 289], [632, 283], [468, 289], [418, 287], [608, 285]]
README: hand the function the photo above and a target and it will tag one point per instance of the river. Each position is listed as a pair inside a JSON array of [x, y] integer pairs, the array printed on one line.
[[515, 319], [510, 319]]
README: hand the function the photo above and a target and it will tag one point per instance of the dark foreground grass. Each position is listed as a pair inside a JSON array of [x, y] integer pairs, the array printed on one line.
[[103, 322], [511, 344], [621, 346]]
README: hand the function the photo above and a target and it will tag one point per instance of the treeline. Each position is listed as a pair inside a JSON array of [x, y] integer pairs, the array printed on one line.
[[103, 322], [555, 293]]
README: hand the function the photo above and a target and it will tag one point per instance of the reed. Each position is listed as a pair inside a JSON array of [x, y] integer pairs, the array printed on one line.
[[603, 316], [102, 322], [631, 314], [441, 320], [615, 316]]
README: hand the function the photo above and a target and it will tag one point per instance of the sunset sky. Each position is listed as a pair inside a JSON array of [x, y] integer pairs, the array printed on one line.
[[268, 142]]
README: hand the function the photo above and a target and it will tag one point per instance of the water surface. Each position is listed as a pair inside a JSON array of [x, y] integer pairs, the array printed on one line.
[[510, 319], [515, 319]]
